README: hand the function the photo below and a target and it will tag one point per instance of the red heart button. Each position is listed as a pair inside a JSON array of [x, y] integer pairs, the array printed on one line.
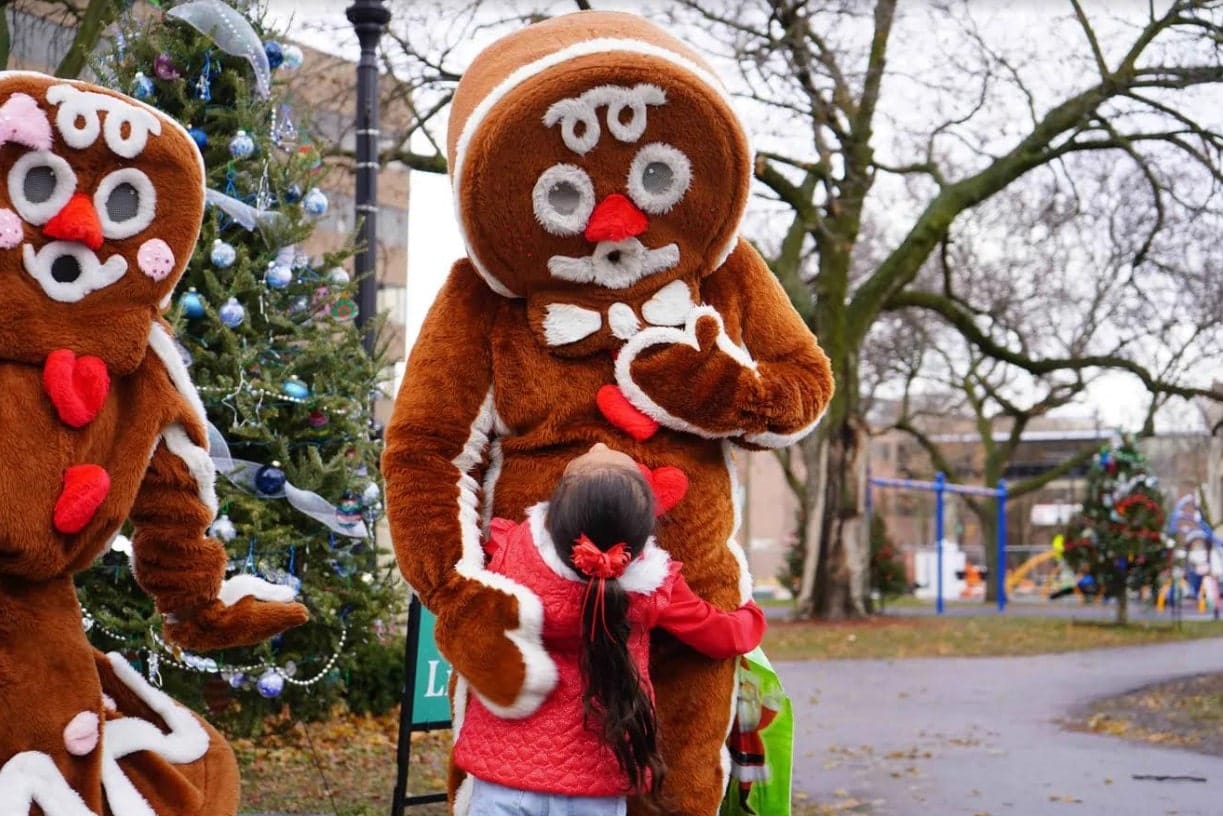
[[621, 413], [77, 386], [85, 488], [669, 483]]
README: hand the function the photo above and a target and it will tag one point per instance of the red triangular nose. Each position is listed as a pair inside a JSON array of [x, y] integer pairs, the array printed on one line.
[[77, 221], [615, 219]]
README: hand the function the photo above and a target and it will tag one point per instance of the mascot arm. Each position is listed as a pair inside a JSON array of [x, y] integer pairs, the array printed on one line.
[[488, 626], [744, 366], [181, 568]]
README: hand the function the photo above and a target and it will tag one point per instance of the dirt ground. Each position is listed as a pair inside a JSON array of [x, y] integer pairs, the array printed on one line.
[[1187, 712]]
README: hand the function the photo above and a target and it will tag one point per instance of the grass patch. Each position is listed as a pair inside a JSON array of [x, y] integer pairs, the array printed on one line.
[[978, 636]]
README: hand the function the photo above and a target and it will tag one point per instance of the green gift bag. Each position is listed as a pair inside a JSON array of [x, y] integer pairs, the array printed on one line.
[[761, 742]]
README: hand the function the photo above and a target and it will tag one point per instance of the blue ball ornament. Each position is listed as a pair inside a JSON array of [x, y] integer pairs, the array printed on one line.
[[271, 684], [315, 202], [275, 52], [198, 136], [223, 254], [293, 57], [232, 313], [142, 86], [192, 304], [278, 276], [237, 680], [241, 146], [295, 388], [270, 479], [293, 194]]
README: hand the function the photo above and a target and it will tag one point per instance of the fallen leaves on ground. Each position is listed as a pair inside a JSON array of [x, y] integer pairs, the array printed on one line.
[[1187, 712], [344, 766]]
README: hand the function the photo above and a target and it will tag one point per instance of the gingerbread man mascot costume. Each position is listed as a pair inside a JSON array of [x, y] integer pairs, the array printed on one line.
[[600, 176], [100, 205]]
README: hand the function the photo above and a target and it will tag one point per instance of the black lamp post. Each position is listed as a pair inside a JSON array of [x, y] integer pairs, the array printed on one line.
[[369, 19]]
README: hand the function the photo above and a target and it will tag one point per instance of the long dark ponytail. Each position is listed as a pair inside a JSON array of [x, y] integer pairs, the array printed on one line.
[[609, 506]]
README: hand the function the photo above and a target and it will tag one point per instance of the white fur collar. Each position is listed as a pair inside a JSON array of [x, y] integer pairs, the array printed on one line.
[[644, 574]]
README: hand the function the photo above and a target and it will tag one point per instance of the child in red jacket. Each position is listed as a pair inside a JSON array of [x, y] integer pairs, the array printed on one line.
[[590, 557]]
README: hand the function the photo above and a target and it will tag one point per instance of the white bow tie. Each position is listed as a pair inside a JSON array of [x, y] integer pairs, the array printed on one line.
[[566, 323]]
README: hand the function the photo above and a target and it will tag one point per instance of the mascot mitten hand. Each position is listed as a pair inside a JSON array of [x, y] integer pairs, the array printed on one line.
[[495, 644], [699, 380], [222, 623]]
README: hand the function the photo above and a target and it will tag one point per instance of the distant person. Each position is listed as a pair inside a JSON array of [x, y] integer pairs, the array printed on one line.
[[590, 556]]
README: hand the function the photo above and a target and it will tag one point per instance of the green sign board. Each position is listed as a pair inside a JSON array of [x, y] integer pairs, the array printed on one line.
[[430, 700]]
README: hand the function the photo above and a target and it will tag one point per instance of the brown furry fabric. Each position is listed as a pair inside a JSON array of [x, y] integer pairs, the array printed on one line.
[[681, 317], [99, 423]]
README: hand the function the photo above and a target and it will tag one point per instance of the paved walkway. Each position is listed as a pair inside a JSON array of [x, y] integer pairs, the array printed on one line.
[[976, 736]]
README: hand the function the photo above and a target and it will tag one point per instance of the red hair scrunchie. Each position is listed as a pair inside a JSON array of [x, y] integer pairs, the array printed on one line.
[[599, 565], [596, 563]]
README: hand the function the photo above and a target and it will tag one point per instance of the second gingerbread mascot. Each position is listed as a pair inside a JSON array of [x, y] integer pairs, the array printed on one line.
[[600, 175], [101, 198]]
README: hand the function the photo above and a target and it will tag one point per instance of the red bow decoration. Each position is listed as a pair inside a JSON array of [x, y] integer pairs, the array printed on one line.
[[597, 563]]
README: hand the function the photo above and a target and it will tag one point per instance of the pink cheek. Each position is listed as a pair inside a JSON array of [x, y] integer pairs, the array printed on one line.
[[81, 734], [156, 259], [11, 231]]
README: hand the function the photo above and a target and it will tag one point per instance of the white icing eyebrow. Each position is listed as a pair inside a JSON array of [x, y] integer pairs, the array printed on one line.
[[583, 110], [85, 107]]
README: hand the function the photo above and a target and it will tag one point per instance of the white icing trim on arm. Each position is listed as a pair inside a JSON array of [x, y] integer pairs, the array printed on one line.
[[241, 586], [199, 464], [768, 439], [540, 671]]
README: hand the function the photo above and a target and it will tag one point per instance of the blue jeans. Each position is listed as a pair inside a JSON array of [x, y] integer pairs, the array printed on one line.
[[490, 799]]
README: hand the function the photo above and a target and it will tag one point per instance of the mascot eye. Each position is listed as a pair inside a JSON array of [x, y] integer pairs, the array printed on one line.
[[564, 198], [126, 203], [39, 185], [658, 178]]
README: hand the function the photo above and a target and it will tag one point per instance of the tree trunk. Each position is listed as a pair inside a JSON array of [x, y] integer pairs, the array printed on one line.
[[1123, 598], [815, 466], [841, 575]]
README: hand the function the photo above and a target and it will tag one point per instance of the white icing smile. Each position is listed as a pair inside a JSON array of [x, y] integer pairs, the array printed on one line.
[[68, 271], [615, 264]]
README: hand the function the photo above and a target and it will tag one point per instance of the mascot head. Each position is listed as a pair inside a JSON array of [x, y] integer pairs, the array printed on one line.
[[595, 151], [101, 198]]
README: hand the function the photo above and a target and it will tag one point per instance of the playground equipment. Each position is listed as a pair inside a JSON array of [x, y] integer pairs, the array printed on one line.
[[940, 488], [1016, 576], [1202, 560]]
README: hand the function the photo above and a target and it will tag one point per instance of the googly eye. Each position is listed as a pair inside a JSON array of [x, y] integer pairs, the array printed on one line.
[[40, 183], [658, 178], [564, 198], [126, 203]]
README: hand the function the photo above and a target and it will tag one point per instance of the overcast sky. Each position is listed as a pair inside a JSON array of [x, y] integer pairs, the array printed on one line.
[[433, 239]]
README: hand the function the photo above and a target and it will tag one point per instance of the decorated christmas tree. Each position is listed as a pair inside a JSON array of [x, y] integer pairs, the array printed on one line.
[[1117, 538], [269, 337]]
